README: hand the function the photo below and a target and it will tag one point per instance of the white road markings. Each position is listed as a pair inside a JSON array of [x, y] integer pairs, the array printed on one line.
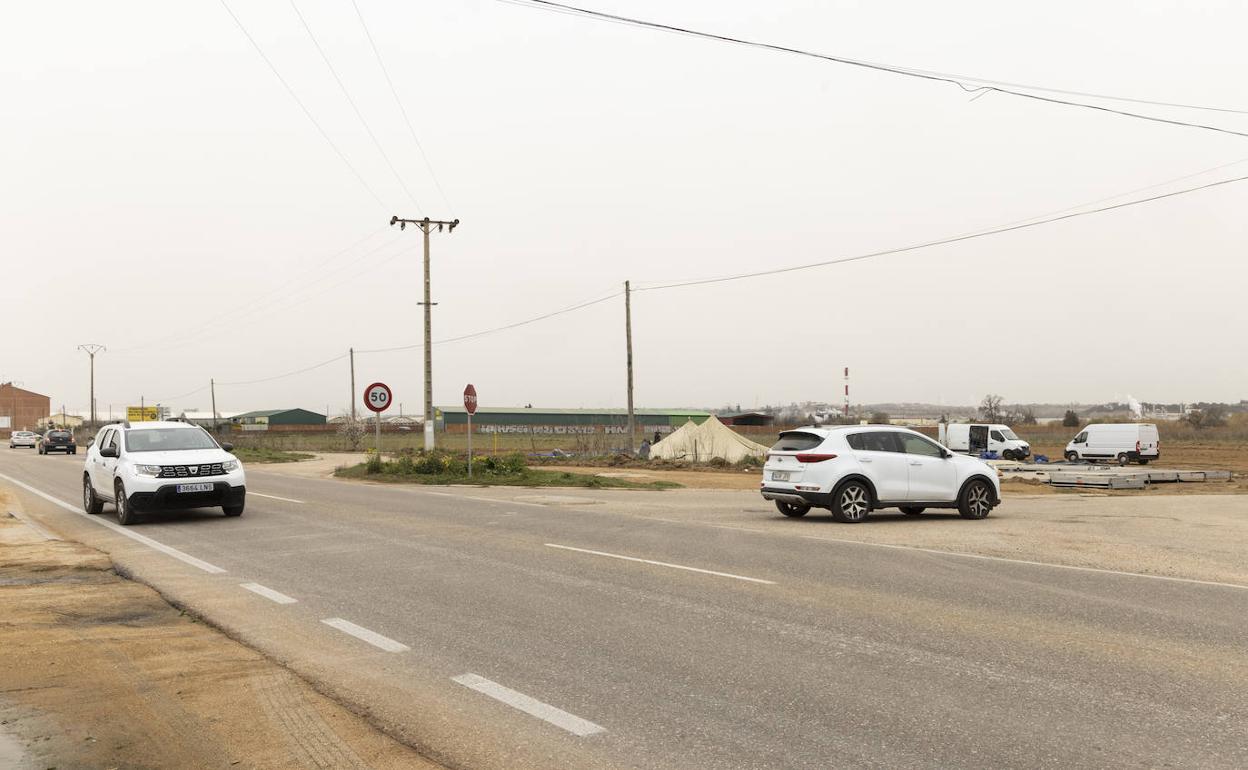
[[372, 637], [275, 497], [663, 564], [1031, 563], [268, 593], [144, 539], [531, 706]]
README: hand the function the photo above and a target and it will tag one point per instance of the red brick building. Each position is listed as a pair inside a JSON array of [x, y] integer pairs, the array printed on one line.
[[21, 409]]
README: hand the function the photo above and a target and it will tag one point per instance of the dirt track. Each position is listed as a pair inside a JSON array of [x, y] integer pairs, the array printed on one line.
[[100, 672]]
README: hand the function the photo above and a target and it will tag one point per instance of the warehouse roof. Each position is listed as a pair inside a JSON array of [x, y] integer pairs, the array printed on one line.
[[271, 412], [523, 410]]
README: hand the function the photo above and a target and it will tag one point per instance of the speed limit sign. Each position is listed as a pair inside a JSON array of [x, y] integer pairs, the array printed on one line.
[[377, 397]]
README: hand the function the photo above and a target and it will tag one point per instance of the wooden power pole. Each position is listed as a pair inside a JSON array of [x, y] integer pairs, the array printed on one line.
[[90, 350], [352, 352], [426, 226], [628, 341]]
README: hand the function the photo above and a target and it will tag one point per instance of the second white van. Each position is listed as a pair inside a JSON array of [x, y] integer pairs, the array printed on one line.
[[975, 438], [1122, 442]]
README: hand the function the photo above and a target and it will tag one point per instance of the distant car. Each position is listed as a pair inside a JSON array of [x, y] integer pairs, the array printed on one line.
[[23, 438], [854, 469], [1121, 442], [983, 437], [155, 466], [58, 441]]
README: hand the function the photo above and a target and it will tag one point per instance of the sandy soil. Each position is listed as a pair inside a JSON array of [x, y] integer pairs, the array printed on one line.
[[100, 672]]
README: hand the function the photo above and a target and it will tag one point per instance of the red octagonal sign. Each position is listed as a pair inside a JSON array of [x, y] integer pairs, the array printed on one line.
[[470, 399]]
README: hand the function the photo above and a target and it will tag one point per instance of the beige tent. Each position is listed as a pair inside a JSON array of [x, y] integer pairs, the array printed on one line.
[[700, 443]]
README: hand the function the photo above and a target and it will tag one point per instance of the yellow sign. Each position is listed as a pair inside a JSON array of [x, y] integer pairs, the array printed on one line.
[[141, 413]]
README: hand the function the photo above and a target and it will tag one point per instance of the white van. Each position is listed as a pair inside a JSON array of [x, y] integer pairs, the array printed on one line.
[[982, 437], [1123, 442]]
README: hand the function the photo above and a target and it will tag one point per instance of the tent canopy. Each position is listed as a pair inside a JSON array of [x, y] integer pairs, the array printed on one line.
[[700, 443]]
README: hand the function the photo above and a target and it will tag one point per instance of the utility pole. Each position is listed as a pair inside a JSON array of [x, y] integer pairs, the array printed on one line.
[[212, 387], [628, 340], [426, 226], [91, 349], [352, 352]]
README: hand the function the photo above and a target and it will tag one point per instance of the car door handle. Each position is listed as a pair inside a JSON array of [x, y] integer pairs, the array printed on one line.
[[913, 463], [865, 460]]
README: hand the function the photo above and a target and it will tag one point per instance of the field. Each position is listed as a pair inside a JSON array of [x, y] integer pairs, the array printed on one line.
[[1182, 446]]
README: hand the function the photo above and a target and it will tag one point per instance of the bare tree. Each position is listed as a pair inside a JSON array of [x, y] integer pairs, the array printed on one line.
[[353, 430], [990, 409]]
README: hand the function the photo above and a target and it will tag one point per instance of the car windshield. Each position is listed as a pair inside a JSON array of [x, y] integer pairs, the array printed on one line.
[[168, 439], [1009, 434]]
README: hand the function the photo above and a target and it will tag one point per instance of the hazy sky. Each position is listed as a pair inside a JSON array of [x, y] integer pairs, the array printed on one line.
[[162, 194]]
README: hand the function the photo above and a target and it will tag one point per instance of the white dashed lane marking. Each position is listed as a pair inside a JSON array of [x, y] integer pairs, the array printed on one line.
[[372, 637], [531, 706]]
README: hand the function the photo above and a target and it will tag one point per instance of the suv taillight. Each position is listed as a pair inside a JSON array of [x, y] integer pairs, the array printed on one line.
[[814, 458]]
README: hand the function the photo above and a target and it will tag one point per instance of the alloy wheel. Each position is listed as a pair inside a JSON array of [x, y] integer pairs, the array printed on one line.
[[854, 503]]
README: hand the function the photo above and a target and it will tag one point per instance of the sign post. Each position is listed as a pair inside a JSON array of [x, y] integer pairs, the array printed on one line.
[[470, 406], [377, 397]]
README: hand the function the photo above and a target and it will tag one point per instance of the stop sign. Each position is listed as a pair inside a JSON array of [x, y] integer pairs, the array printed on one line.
[[470, 399]]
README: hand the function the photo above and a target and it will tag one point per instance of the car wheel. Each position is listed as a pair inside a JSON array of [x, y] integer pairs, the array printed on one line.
[[232, 510], [125, 514], [90, 503], [853, 503], [792, 510], [976, 500], [1072, 457], [912, 511], [1123, 459]]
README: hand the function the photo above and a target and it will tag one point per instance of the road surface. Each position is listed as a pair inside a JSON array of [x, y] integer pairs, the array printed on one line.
[[501, 633]]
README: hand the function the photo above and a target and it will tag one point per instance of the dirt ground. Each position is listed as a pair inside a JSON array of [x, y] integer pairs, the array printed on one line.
[[99, 672]]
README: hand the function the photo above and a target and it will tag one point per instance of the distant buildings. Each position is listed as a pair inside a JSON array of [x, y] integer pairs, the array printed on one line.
[[277, 419], [559, 421], [22, 409]]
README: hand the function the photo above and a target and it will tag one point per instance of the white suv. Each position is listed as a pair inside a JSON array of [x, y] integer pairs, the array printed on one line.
[[154, 466], [854, 469]]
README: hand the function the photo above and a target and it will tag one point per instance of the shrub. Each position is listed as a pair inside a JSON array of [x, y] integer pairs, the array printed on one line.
[[1071, 420], [374, 464]]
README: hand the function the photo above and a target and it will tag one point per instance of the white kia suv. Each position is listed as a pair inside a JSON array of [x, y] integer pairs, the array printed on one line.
[[159, 466], [854, 469]]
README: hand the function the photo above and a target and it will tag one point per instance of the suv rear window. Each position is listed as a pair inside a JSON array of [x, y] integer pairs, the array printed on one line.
[[797, 441]]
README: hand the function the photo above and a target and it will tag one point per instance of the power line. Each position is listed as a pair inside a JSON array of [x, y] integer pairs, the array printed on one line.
[[287, 374], [942, 241], [515, 325], [355, 108], [394, 92], [965, 83], [302, 106]]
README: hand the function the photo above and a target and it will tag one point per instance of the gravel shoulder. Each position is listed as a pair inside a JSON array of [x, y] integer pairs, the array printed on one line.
[[99, 671]]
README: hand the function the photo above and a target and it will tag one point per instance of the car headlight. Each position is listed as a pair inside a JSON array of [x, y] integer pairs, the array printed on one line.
[[147, 470], [229, 465]]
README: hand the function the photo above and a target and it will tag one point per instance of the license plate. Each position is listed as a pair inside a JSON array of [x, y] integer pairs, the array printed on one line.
[[779, 475], [194, 488]]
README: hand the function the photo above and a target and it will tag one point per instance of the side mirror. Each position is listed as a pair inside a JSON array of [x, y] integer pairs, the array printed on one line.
[[948, 455], [227, 446], [108, 451], [90, 442]]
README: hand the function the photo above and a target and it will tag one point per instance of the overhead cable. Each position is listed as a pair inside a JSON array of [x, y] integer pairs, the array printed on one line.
[[354, 107], [965, 83], [940, 242], [403, 110], [302, 106]]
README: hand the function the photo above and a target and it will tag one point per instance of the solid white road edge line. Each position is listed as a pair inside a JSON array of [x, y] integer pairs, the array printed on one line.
[[268, 593], [663, 564], [1031, 563], [531, 706], [144, 539], [372, 637], [275, 497]]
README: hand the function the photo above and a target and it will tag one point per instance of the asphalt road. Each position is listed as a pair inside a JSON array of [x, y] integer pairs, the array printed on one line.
[[501, 634]]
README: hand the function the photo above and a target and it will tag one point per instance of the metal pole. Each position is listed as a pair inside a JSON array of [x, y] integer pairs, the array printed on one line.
[[378, 435], [352, 352], [470, 445], [628, 338], [212, 386], [429, 438]]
